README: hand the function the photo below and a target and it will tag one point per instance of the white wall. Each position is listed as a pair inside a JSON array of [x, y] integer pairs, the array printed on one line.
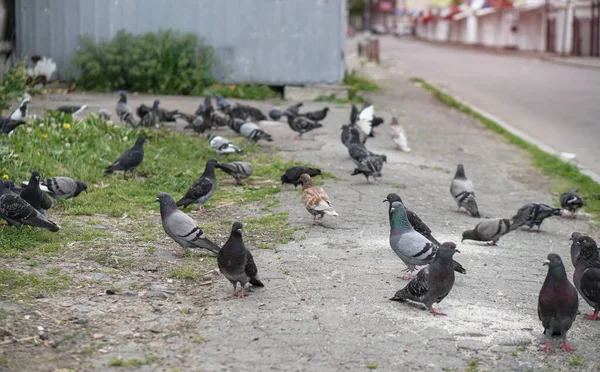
[[442, 30], [532, 30]]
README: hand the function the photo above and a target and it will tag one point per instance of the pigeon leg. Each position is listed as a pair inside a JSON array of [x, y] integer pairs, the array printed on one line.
[[299, 137], [178, 254], [377, 180], [566, 347], [593, 316], [2, 224], [432, 310], [234, 290], [202, 209], [546, 348], [490, 243], [241, 292], [409, 276], [239, 181]]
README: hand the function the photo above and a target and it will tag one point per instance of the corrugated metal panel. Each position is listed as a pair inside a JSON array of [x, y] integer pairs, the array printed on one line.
[[277, 42]]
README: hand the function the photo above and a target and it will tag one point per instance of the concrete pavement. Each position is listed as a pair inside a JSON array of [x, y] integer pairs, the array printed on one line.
[[554, 103]]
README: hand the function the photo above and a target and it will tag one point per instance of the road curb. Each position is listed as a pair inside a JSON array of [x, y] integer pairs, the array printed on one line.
[[516, 132]]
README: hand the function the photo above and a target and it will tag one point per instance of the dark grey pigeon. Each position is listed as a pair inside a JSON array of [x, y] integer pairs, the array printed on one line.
[[197, 124], [413, 248], [371, 166], [557, 302], [316, 115], [124, 111], [575, 248], [253, 133], [253, 113], [463, 192], [203, 189], [150, 118], [240, 170], [489, 230], [433, 283], [129, 160], [64, 187], [71, 109], [571, 201], [11, 186], [356, 149], [181, 227], [293, 110], [17, 212], [292, 174], [206, 107], [7, 125], [346, 135], [223, 104], [587, 274], [20, 112], [235, 124], [301, 125], [275, 113], [533, 214], [414, 220], [33, 195], [236, 262]]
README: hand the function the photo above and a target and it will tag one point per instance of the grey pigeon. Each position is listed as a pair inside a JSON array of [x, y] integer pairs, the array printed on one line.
[[292, 174], [371, 166], [71, 109], [104, 114], [20, 113], [222, 146], [33, 195], [571, 201], [17, 212], [197, 123], [433, 283], [463, 192], [293, 110], [413, 248], [64, 187], [236, 262], [11, 186], [151, 118], [129, 160], [346, 135], [203, 189], [223, 104], [301, 125], [206, 106], [253, 133], [181, 227], [7, 125], [354, 114], [316, 115], [413, 218], [587, 274], [575, 248], [124, 111], [533, 214], [557, 302], [240, 170], [275, 113], [356, 149], [253, 113], [235, 124], [489, 230]]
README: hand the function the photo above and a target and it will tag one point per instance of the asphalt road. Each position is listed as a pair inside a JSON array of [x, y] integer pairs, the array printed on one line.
[[553, 103]]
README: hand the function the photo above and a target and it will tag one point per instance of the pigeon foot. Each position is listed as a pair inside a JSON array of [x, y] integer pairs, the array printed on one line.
[[432, 310], [241, 292], [566, 347], [298, 137], [178, 254], [235, 292], [490, 243], [593, 316], [201, 209], [546, 348]]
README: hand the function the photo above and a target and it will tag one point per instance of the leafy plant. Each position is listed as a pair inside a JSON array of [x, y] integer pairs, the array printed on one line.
[[165, 62], [13, 84], [257, 92]]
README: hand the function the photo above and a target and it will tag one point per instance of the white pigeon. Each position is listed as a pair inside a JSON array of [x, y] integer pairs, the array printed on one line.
[[399, 136], [222, 146], [364, 122]]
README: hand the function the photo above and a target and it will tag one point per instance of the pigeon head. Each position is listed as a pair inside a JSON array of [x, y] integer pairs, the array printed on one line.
[[554, 263], [588, 248], [81, 186], [391, 198], [557, 212], [155, 104], [212, 162], [326, 109], [210, 136], [460, 172], [35, 176], [394, 121], [384, 158], [236, 229], [167, 204], [398, 217], [306, 180], [313, 172], [448, 249], [285, 179], [575, 237], [469, 234], [140, 141]]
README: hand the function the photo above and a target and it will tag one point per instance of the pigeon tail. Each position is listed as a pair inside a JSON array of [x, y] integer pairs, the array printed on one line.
[[256, 282]]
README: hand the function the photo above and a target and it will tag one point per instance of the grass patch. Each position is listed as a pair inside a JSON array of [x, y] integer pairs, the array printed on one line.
[[577, 360], [551, 165], [247, 91], [120, 362], [275, 223], [356, 84], [17, 284], [192, 270], [198, 339], [372, 366], [472, 367]]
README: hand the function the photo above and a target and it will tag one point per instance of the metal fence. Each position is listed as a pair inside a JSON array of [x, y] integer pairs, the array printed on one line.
[[275, 42]]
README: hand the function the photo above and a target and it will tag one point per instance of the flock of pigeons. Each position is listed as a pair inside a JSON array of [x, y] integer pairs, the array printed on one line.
[[410, 238]]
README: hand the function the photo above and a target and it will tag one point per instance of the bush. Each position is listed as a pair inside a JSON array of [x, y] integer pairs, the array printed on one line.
[[165, 62], [13, 85]]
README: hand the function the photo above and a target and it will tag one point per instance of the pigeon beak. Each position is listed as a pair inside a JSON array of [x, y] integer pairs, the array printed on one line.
[[457, 251], [546, 262], [384, 200], [156, 200], [239, 231], [462, 240]]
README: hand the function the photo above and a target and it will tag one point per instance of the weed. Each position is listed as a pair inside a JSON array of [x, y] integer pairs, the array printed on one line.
[[19, 285], [116, 362], [568, 174], [137, 286], [198, 339], [357, 84], [286, 272], [577, 360], [257, 92], [191, 270], [13, 85], [372, 366], [472, 366]]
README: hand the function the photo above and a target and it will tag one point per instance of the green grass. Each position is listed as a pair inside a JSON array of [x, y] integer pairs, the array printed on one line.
[[577, 360], [17, 284], [372, 366], [568, 174], [198, 339], [472, 367], [192, 271], [356, 84], [120, 362], [248, 91]]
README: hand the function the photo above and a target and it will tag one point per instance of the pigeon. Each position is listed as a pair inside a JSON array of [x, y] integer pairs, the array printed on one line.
[[371, 166], [275, 113], [222, 146], [223, 104], [413, 248], [103, 114], [253, 113], [235, 124], [354, 114], [571, 201], [399, 136], [151, 118], [315, 199], [11, 186], [124, 111], [356, 149], [346, 135], [433, 283], [557, 302], [252, 132], [64, 187], [203, 189], [463, 192], [377, 121], [168, 116], [20, 113], [33, 195], [129, 160], [71, 109], [239, 112], [236, 262], [301, 125], [488, 230], [587, 274], [198, 124], [17, 212], [533, 214], [206, 106], [239, 170], [364, 122], [293, 110], [575, 248], [7, 125], [181, 227], [417, 224], [316, 115], [216, 119], [292, 174]]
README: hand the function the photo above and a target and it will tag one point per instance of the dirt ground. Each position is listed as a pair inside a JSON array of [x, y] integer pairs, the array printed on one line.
[[325, 303]]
